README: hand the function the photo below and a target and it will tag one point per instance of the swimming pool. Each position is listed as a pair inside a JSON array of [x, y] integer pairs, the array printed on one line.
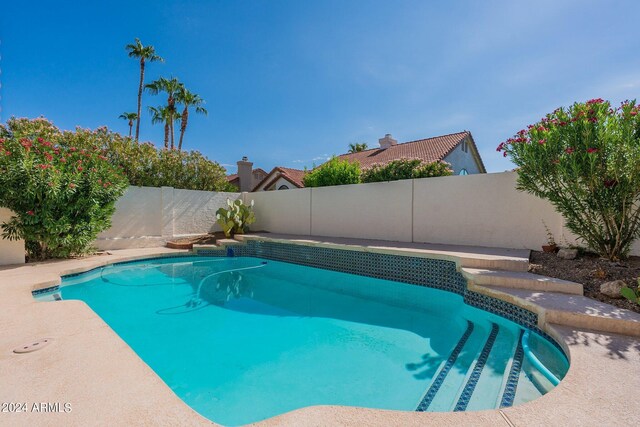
[[241, 339]]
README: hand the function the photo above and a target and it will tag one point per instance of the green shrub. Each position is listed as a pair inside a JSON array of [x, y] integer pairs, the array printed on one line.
[[142, 164], [585, 160], [62, 196], [630, 294], [333, 172], [236, 218], [405, 169]]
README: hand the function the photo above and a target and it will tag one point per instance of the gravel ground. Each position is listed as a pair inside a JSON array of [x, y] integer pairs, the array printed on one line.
[[591, 271]]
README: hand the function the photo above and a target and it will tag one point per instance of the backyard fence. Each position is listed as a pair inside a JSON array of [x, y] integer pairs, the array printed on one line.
[[477, 210], [149, 216]]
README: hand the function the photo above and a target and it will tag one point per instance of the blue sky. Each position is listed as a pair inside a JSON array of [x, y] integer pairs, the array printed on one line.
[[289, 83]]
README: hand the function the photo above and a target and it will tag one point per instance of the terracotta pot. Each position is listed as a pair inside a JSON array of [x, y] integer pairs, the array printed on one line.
[[549, 248]]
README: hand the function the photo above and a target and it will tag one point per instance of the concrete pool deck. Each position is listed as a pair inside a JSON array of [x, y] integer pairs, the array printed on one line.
[[88, 366]]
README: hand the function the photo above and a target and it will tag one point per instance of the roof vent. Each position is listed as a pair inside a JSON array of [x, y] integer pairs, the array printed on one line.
[[387, 141]]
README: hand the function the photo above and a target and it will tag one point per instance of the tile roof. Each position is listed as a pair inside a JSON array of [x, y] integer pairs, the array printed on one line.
[[231, 178], [429, 150], [294, 176]]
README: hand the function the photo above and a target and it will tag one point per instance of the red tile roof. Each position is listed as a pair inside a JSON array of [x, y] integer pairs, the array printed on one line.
[[294, 176], [429, 150], [231, 178]]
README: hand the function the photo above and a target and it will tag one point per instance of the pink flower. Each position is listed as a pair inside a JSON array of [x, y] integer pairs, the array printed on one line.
[[72, 185], [569, 150], [592, 150], [80, 168], [595, 101], [30, 213], [633, 112], [542, 141]]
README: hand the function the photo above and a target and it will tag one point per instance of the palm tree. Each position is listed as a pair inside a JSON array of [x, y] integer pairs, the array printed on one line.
[[188, 99], [131, 117], [357, 147], [144, 53], [162, 115], [171, 87]]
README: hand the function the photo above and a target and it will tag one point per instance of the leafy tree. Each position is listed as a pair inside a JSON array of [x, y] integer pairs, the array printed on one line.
[[142, 164], [144, 54], [333, 172], [357, 147], [62, 195], [405, 169], [188, 99], [585, 160], [130, 117], [171, 87]]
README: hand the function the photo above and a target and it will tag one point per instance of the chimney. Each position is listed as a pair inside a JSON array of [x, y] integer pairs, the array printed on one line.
[[245, 169], [387, 141]]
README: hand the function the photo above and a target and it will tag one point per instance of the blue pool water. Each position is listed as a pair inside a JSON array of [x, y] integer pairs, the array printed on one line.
[[244, 339]]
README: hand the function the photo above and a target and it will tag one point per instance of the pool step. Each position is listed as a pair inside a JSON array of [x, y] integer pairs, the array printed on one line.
[[481, 372], [489, 382], [451, 377], [520, 280]]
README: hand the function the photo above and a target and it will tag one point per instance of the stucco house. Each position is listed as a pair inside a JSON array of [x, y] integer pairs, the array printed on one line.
[[247, 177], [281, 178], [458, 149]]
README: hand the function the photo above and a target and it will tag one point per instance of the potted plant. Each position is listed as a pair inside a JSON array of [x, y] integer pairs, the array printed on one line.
[[551, 245]]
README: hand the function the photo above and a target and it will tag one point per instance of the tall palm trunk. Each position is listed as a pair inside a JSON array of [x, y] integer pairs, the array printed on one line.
[[130, 127], [183, 126], [140, 97], [171, 103], [166, 135]]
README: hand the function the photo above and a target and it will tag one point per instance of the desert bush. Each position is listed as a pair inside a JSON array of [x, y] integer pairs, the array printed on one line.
[[405, 169], [585, 160], [236, 218], [333, 172]]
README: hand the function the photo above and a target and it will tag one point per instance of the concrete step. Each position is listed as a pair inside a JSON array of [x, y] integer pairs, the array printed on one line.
[[571, 310], [521, 280], [463, 256]]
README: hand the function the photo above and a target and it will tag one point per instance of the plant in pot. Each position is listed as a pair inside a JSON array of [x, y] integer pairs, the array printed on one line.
[[551, 245], [236, 218]]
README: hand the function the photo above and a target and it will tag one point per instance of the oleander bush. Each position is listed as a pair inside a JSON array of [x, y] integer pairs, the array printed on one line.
[[585, 160], [405, 169], [142, 163], [333, 172], [62, 196]]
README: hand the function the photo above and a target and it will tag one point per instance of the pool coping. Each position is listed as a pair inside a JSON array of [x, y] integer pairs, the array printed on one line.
[[92, 362]]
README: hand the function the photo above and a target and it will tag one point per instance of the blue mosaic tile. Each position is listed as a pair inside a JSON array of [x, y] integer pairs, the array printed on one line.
[[45, 290], [509, 393], [470, 386], [442, 375]]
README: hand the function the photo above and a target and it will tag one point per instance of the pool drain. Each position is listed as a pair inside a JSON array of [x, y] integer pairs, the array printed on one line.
[[32, 346]]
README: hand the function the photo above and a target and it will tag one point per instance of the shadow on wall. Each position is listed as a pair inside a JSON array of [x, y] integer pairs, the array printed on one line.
[[11, 251], [165, 212]]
